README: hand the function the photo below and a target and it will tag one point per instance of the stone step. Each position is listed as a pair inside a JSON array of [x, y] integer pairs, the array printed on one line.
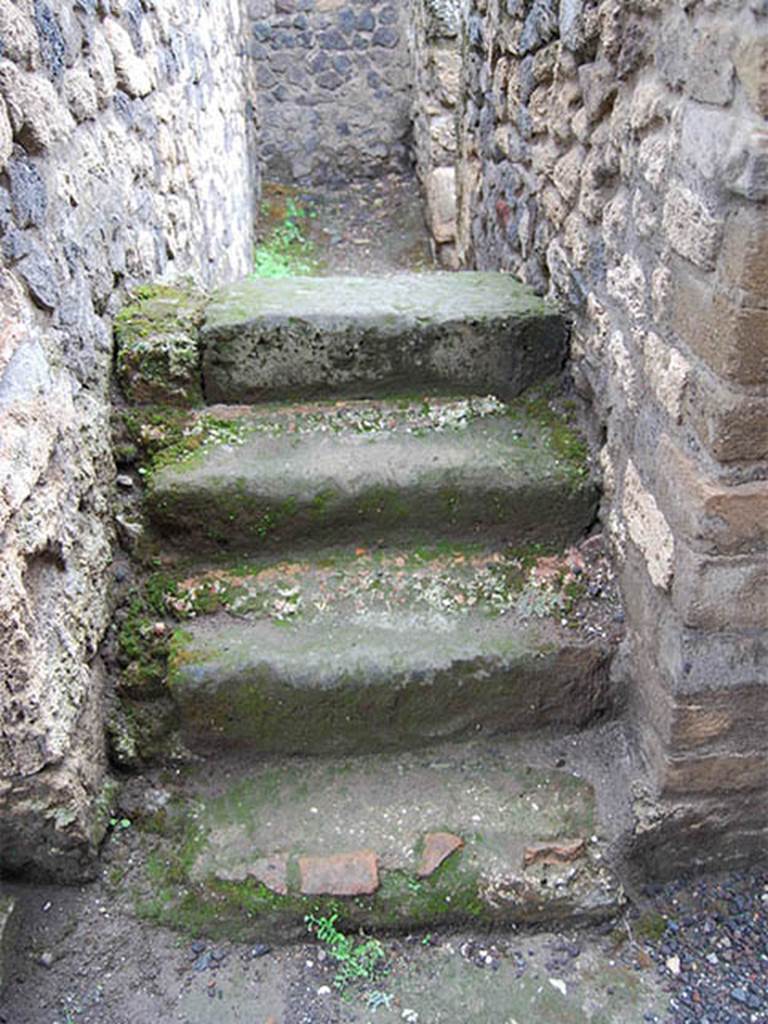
[[389, 843], [387, 651], [362, 472], [346, 336]]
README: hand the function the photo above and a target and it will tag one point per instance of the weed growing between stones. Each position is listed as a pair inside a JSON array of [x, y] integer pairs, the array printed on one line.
[[286, 251], [357, 961]]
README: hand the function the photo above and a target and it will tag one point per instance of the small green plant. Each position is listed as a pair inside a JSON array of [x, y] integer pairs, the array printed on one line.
[[286, 250], [651, 926], [357, 960]]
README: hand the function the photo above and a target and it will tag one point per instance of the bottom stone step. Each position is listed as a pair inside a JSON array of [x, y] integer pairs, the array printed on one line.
[[392, 843]]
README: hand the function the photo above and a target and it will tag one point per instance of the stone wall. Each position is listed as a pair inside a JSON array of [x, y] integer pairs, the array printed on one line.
[[614, 154], [113, 121], [435, 46], [334, 85]]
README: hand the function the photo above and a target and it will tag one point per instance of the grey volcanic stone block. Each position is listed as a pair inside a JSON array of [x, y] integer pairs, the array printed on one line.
[[525, 847], [381, 651], [29, 195], [307, 477], [363, 682], [476, 333]]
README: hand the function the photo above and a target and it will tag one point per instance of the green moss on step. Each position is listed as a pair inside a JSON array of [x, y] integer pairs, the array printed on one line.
[[384, 505], [142, 649], [542, 404], [169, 436], [157, 345]]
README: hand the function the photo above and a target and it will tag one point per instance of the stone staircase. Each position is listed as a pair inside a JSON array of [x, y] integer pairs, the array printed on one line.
[[381, 570]]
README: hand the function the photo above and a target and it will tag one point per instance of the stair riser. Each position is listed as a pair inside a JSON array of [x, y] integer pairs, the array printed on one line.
[[263, 710], [243, 519], [282, 358], [220, 912]]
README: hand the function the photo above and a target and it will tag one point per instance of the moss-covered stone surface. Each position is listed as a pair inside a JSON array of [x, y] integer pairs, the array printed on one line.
[[360, 472], [203, 877], [356, 648], [326, 337], [158, 357], [368, 681]]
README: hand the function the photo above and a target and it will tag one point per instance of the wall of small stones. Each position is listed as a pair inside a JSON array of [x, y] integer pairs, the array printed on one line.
[[113, 121], [614, 154], [334, 86]]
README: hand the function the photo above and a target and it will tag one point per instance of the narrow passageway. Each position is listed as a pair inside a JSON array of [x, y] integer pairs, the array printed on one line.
[[353, 674], [391, 698], [369, 226]]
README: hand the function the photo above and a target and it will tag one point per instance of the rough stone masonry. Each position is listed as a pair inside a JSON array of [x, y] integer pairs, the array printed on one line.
[[333, 80], [113, 119], [614, 154]]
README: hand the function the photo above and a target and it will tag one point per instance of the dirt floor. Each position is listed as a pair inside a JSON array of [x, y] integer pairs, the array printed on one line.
[[374, 226], [691, 952], [81, 956]]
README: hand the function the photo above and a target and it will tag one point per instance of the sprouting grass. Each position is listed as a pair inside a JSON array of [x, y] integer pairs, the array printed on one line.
[[286, 251]]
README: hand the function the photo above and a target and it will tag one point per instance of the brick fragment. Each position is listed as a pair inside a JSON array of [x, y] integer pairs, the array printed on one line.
[[731, 720], [561, 851], [743, 259], [732, 425], [720, 593], [717, 773], [340, 874], [437, 847], [715, 517]]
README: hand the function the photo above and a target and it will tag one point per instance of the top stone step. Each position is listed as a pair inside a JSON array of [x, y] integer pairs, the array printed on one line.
[[473, 333]]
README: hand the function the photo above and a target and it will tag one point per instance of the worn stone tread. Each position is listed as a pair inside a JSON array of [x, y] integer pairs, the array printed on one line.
[[364, 472], [288, 337], [378, 653], [350, 833]]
